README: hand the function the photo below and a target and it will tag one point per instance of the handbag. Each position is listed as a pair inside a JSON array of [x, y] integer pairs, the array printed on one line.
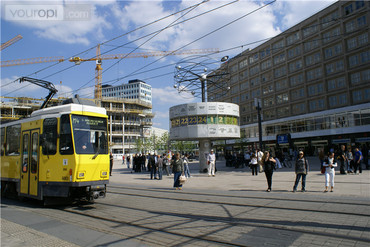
[[182, 179], [260, 168], [323, 169]]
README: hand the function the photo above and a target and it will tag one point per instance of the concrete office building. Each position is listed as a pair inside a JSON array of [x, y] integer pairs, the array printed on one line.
[[134, 89], [312, 80]]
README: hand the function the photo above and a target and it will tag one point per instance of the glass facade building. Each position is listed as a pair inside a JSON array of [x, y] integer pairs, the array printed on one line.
[[313, 81]]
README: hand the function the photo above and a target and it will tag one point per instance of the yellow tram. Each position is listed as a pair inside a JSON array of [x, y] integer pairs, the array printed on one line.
[[59, 152]]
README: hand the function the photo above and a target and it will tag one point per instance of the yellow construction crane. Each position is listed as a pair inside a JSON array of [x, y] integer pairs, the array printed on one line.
[[98, 58], [10, 42]]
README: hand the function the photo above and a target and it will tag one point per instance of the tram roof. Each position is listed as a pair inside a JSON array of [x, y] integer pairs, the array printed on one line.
[[69, 108]]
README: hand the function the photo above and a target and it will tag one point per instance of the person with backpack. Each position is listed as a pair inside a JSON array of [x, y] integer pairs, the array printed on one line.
[[301, 170]]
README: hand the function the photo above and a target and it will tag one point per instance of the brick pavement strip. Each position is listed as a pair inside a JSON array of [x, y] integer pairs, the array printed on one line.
[[231, 207], [16, 235]]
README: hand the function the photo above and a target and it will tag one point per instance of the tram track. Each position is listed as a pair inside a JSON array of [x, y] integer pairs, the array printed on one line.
[[241, 204], [293, 228]]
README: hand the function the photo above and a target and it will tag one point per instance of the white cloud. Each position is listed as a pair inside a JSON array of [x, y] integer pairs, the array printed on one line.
[[296, 11], [256, 26], [169, 96]]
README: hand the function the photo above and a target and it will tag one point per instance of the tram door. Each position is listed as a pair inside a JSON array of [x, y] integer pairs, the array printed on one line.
[[30, 162]]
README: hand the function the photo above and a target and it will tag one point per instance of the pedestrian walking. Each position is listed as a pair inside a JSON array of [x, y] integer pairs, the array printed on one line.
[[128, 159], [123, 159], [178, 170], [247, 158], [211, 160], [165, 164], [343, 159], [330, 163], [357, 160], [159, 166], [152, 166], [254, 165], [186, 166], [349, 156], [268, 167], [301, 170]]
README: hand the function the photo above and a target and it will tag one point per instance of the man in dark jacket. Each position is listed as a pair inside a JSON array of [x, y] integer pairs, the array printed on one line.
[[301, 170]]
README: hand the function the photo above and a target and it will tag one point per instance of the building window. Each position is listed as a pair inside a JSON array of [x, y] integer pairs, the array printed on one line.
[[316, 105], [293, 52], [267, 102], [244, 85], [278, 45], [243, 63], [315, 89], [266, 64], [279, 58], [296, 80], [292, 38], [331, 35], [298, 94], [256, 93], [294, 66], [330, 19], [283, 84], [282, 98], [311, 29], [299, 108], [266, 77], [360, 4], [333, 51], [280, 72], [314, 74], [255, 82], [334, 67], [348, 9], [310, 45], [282, 111], [268, 89], [355, 78], [254, 70], [243, 75], [253, 58], [336, 83]]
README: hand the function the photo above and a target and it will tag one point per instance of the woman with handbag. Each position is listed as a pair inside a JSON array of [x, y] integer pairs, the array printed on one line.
[[269, 167], [329, 165], [178, 170]]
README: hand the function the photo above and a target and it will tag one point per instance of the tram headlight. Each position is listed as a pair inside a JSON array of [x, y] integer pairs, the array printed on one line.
[[103, 174]]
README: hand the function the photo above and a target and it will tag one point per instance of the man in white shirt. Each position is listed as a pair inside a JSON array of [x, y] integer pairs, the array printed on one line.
[[211, 160]]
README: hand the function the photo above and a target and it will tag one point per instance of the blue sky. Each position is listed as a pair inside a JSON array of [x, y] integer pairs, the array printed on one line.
[[110, 19]]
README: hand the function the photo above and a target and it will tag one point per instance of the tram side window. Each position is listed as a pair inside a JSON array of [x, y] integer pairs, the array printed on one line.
[[65, 141], [49, 136], [13, 136], [2, 140]]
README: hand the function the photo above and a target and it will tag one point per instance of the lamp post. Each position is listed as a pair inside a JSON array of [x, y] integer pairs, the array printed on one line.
[[257, 103]]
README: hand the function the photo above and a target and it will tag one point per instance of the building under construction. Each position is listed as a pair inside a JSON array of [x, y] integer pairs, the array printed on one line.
[[128, 119]]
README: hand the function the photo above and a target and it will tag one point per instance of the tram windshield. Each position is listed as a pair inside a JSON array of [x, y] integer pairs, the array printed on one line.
[[90, 135]]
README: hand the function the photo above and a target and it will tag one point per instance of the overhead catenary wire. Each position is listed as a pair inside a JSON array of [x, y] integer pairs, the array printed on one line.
[[209, 33], [242, 46], [105, 42]]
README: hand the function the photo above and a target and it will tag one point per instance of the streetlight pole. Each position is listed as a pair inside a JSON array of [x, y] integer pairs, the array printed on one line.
[[258, 107]]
